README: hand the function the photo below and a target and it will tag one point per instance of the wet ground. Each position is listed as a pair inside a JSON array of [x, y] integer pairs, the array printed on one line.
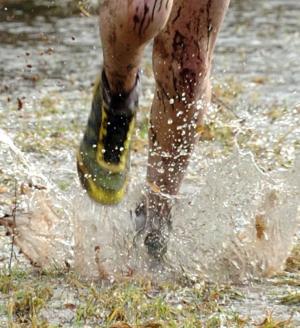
[[49, 60]]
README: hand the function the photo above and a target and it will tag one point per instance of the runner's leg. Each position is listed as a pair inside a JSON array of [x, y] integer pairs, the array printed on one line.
[[103, 158], [126, 27], [182, 59]]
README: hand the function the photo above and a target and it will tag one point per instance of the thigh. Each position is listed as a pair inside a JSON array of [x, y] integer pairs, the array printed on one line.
[[196, 20], [187, 42]]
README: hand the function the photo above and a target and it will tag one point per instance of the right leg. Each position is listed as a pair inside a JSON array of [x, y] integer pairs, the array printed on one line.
[[103, 160]]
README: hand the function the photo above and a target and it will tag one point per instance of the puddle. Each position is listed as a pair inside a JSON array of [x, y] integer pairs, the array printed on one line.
[[229, 224], [234, 207]]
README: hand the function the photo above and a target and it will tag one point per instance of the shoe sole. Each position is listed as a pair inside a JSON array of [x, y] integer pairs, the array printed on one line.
[[98, 193]]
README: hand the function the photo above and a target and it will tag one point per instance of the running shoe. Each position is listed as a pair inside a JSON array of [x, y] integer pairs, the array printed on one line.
[[103, 158]]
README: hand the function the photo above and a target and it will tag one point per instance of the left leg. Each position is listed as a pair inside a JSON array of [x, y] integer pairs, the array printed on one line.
[[126, 27], [182, 60]]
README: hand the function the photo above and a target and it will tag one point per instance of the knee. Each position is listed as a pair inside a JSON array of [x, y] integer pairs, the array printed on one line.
[[191, 80], [182, 69], [140, 19]]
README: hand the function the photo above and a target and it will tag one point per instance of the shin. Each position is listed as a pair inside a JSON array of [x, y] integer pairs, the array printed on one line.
[[182, 63]]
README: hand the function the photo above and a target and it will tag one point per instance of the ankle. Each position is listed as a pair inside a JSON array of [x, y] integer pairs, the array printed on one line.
[[122, 101], [121, 83]]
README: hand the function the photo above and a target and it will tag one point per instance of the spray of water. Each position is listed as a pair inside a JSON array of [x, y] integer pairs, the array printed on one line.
[[230, 222]]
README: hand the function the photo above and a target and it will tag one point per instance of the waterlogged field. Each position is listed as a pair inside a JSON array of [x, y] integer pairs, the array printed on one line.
[[50, 55]]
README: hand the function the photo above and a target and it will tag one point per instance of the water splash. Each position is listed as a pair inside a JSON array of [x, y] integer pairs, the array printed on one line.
[[231, 222], [239, 221]]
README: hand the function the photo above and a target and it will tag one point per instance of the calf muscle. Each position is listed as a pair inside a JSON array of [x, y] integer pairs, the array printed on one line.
[[182, 60]]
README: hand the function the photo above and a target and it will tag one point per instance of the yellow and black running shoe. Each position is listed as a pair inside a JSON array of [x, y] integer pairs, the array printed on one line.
[[103, 158]]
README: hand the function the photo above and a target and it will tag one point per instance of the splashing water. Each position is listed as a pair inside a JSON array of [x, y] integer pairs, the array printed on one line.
[[230, 222]]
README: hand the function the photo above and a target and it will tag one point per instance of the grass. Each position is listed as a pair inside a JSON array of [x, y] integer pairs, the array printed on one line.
[[135, 303], [24, 298], [291, 299], [128, 304], [271, 322], [293, 262], [37, 133]]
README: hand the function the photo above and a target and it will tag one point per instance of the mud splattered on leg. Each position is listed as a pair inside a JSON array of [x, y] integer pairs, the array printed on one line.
[[126, 27], [182, 60]]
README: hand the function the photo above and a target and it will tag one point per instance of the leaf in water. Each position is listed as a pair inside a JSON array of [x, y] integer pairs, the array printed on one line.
[[120, 325], [70, 306], [259, 79], [20, 104], [151, 325], [3, 189]]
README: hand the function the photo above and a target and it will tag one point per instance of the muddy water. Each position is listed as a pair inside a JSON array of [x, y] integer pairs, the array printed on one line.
[[48, 64]]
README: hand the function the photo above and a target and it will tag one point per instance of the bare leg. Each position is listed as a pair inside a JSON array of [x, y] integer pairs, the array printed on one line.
[[126, 27], [182, 60]]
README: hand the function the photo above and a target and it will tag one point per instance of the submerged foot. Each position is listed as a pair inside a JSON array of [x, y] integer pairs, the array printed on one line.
[[154, 228], [156, 243]]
